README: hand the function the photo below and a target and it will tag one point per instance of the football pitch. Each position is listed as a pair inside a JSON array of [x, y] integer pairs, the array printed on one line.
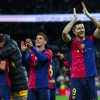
[[67, 98]]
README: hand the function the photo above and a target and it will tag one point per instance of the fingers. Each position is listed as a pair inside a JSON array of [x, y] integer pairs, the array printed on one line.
[[58, 53], [83, 5], [74, 9], [22, 43], [74, 12], [66, 69], [61, 56], [29, 42]]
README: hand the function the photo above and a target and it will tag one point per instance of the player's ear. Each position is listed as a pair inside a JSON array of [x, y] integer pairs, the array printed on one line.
[[45, 42], [73, 31]]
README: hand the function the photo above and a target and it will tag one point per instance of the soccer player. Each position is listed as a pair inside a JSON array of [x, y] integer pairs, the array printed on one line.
[[52, 83], [40, 59], [51, 76], [83, 69], [19, 81], [5, 84], [67, 69]]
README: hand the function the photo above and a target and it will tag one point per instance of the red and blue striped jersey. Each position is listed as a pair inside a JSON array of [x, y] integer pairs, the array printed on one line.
[[83, 57], [38, 68], [4, 76], [51, 75]]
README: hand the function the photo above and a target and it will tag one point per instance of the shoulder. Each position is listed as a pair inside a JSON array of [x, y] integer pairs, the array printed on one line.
[[48, 51], [11, 43], [91, 37]]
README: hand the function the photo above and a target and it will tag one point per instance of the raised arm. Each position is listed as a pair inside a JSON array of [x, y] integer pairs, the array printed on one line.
[[66, 37], [25, 58], [94, 20], [40, 56]]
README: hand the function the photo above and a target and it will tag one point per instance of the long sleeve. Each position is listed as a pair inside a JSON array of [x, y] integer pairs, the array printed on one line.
[[41, 57]]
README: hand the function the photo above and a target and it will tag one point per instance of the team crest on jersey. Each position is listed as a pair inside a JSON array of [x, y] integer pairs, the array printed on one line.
[[73, 97], [82, 45]]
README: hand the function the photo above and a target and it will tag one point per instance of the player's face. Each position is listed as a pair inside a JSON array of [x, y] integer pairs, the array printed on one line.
[[40, 41], [2, 44], [80, 31]]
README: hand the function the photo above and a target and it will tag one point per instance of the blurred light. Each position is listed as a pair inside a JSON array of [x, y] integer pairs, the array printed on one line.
[[46, 17]]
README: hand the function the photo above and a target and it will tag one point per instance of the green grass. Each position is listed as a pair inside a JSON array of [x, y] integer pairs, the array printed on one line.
[[66, 98], [62, 98]]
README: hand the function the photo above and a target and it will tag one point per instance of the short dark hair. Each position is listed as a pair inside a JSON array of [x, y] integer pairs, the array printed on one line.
[[45, 37], [2, 38], [76, 23]]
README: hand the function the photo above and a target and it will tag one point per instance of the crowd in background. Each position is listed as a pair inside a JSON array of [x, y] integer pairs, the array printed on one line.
[[45, 6]]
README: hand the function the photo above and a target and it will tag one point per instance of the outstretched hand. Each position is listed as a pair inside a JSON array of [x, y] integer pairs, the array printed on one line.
[[61, 56], [23, 46], [85, 11], [74, 12]]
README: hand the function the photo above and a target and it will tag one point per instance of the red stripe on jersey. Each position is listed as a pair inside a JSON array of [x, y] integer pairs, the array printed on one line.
[[78, 62], [49, 54], [32, 83], [7, 75]]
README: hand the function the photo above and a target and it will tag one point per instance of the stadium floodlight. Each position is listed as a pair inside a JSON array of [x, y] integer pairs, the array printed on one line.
[[46, 17]]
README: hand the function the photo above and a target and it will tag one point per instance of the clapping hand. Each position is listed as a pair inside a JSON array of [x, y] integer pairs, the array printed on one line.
[[85, 11], [23, 46]]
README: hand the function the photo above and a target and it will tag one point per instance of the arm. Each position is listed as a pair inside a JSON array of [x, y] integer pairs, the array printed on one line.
[[95, 21], [58, 55], [67, 67], [66, 37], [54, 56], [41, 57], [25, 58], [2, 65]]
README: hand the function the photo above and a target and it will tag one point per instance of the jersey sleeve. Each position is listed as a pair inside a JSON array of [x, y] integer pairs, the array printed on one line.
[[49, 54], [41, 57], [66, 64], [91, 37], [69, 43], [26, 58]]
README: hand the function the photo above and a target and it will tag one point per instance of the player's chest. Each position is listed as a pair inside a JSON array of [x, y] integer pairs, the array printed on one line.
[[82, 47]]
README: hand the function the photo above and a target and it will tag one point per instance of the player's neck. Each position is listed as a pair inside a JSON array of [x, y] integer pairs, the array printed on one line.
[[40, 48], [80, 39]]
